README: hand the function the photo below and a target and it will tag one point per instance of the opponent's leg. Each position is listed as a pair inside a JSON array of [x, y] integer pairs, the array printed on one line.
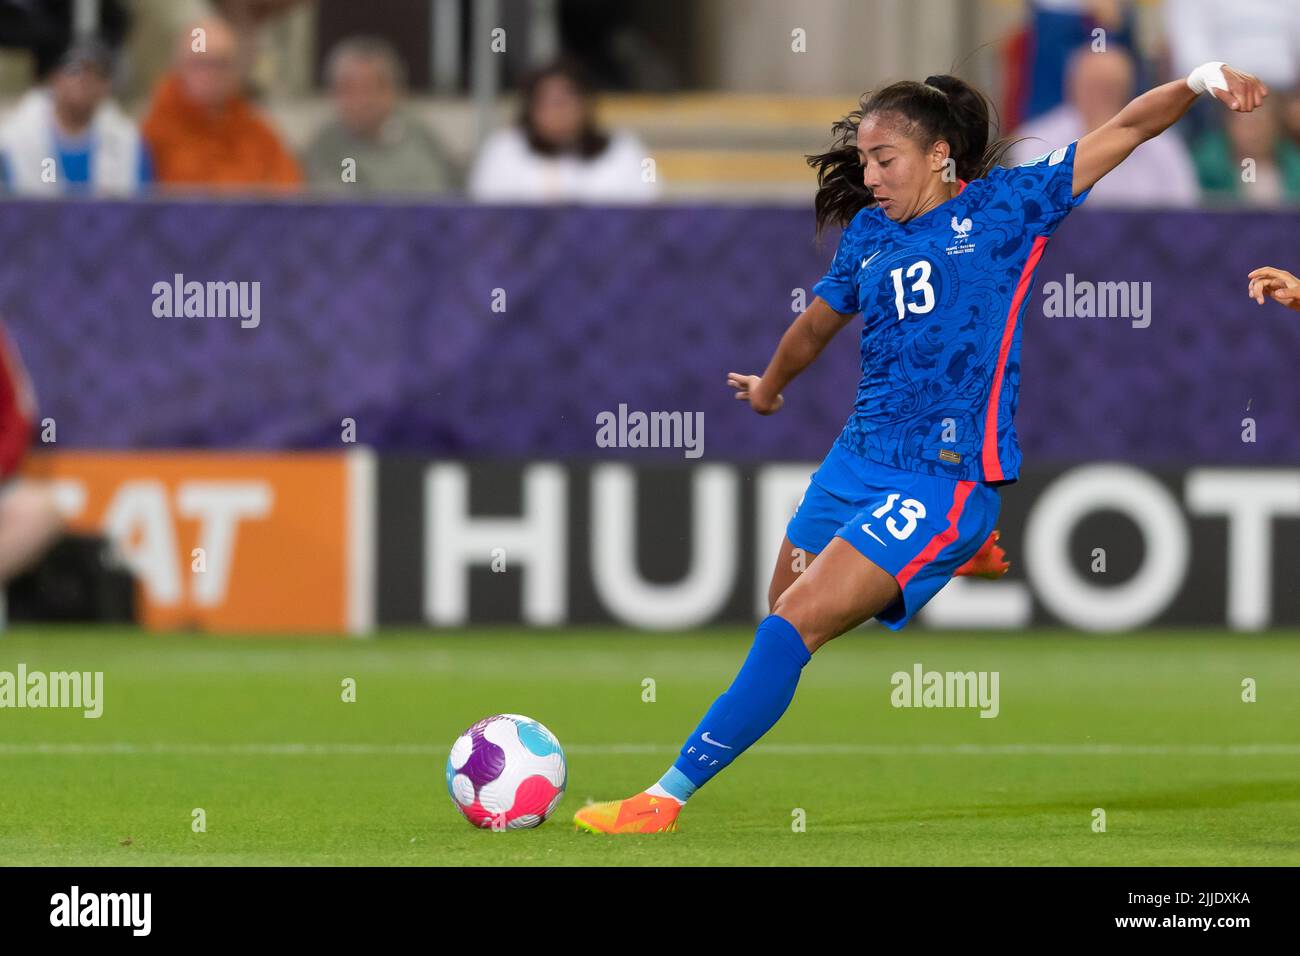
[[836, 592], [29, 524]]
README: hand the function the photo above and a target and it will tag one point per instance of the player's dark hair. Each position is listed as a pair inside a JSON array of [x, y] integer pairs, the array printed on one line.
[[592, 140], [943, 107]]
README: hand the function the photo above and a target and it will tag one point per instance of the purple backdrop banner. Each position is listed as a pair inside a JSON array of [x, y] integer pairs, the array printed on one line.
[[505, 332]]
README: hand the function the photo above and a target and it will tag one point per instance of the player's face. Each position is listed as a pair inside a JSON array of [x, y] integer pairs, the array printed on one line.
[[899, 173]]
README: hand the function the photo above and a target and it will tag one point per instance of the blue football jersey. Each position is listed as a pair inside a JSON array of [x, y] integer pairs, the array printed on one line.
[[942, 298]]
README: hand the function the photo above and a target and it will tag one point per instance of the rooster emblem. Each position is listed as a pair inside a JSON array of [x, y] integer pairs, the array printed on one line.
[[961, 228]]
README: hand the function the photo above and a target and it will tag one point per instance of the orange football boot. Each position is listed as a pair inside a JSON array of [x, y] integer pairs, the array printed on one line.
[[990, 561], [640, 814]]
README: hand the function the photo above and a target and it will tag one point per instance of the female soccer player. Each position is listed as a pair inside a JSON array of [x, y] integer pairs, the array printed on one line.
[[938, 255]]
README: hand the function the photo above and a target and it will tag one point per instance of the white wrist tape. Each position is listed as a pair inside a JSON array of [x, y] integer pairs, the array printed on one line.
[[1207, 76]]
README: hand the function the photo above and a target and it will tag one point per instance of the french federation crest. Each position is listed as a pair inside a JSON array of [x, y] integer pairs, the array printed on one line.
[[961, 242]]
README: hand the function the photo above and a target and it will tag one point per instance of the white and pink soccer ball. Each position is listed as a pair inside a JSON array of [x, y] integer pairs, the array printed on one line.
[[506, 772]]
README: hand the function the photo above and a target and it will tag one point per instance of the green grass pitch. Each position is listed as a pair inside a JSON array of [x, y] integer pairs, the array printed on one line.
[[1149, 727]]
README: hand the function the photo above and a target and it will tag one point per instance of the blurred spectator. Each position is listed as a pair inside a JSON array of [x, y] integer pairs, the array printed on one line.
[[201, 128], [1098, 85], [557, 153], [391, 150], [69, 138], [1290, 110], [1260, 36], [1274, 160], [1056, 29]]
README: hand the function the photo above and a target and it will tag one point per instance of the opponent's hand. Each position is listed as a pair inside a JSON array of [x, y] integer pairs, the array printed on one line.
[[1245, 91], [749, 388], [1278, 284]]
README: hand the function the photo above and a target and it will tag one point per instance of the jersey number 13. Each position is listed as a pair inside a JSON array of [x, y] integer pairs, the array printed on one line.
[[920, 271]]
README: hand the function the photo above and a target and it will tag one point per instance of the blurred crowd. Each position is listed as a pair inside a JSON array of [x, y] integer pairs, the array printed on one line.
[[202, 129], [1077, 63]]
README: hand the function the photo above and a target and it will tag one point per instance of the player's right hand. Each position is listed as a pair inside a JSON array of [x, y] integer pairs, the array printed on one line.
[[749, 388], [1245, 92], [1278, 284]]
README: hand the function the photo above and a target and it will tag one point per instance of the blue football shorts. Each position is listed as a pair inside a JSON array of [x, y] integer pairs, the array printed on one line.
[[919, 528]]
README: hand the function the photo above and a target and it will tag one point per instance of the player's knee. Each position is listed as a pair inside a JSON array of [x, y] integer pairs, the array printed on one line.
[[797, 610]]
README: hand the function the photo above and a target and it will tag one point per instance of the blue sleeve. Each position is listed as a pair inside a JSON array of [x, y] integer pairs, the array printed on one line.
[[839, 287], [1044, 189]]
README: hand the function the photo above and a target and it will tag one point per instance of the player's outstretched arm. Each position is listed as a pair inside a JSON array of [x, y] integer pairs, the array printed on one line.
[[802, 343], [1154, 112], [1278, 284]]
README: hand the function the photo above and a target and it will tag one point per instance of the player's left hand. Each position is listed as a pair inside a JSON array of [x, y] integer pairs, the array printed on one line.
[[1278, 284], [749, 388], [1245, 91]]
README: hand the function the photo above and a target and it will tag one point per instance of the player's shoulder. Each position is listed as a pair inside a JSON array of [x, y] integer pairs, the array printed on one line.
[[1031, 175], [1053, 157], [1037, 166]]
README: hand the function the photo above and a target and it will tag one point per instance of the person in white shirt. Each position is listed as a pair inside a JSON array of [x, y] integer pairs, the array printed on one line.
[[1160, 172], [68, 138], [556, 153]]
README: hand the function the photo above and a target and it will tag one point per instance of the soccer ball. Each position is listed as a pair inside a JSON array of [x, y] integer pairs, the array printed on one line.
[[506, 773]]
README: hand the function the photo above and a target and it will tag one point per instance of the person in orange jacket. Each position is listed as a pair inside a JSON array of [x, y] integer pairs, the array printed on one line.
[[202, 130]]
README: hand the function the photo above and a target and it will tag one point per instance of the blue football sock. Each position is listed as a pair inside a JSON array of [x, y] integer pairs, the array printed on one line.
[[752, 704], [673, 784]]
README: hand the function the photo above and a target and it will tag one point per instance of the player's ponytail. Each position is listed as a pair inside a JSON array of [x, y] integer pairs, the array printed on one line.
[[968, 117], [943, 107]]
